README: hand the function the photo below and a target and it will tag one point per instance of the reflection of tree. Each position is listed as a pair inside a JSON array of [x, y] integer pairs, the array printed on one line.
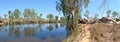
[[56, 25], [17, 32], [62, 24], [69, 31], [40, 27], [6, 30], [50, 27], [11, 30], [29, 31], [14, 31]]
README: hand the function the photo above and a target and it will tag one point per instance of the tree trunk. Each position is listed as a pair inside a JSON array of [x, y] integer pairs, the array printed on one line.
[[73, 18]]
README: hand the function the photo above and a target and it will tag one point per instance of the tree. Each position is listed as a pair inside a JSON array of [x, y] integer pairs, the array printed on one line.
[[5, 16], [56, 18], [115, 13], [108, 13], [63, 19], [1, 18], [50, 27], [27, 13], [86, 14], [40, 16], [96, 15], [71, 8], [102, 7], [33, 14], [16, 14], [10, 15], [50, 17]]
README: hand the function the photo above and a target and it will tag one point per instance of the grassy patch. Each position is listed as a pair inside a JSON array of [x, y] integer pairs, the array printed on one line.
[[72, 37]]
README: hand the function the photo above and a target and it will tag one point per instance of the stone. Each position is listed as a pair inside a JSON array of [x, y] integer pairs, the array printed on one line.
[[107, 20]]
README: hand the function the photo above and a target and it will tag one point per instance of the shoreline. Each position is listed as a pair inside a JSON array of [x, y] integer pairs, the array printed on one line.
[[96, 33]]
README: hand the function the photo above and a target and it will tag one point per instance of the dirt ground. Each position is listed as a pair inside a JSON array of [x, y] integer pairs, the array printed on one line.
[[98, 33]]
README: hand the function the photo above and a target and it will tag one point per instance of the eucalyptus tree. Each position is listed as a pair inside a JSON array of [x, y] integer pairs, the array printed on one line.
[[16, 13], [108, 13], [50, 17], [71, 8], [86, 14], [56, 18], [27, 13], [5, 16], [102, 7], [115, 14], [33, 14], [62, 18], [96, 16], [10, 15], [1, 18], [40, 16]]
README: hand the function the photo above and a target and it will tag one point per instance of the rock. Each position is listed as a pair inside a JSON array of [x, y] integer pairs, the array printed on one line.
[[83, 21], [110, 22], [88, 21], [107, 20], [118, 22], [1, 21]]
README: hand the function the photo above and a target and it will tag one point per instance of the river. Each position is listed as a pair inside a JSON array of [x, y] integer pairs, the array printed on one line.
[[54, 32]]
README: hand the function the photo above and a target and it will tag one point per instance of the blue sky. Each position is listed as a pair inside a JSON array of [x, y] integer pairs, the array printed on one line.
[[48, 6]]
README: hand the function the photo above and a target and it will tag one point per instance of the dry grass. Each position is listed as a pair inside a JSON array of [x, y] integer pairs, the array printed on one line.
[[105, 33], [97, 33]]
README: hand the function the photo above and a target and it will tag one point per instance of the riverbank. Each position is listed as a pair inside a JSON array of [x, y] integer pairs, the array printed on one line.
[[18, 21], [96, 33]]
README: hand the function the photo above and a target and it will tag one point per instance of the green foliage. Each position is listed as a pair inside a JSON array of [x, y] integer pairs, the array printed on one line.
[[62, 18], [71, 8], [33, 14], [56, 18], [86, 14], [86, 2], [30, 14], [96, 15], [16, 13], [50, 17], [102, 7], [5, 16], [1, 18], [26, 13], [10, 15], [115, 13], [40, 16], [108, 13]]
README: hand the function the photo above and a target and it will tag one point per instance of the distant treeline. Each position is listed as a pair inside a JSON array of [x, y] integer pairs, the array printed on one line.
[[29, 16]]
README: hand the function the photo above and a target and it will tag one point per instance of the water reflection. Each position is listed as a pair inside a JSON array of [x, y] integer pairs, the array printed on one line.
[[56, 26], [50, 27], [29, 32], [56, 32], [62, 24]]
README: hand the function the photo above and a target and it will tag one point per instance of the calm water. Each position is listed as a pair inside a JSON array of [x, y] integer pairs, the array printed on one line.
[[33, 33]]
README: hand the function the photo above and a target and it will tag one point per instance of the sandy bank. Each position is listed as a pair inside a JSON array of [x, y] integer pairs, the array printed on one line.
[[98, 33]]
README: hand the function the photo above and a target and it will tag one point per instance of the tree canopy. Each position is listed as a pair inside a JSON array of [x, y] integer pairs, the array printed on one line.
[[108, 13], [50, 17], [71, 8]]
